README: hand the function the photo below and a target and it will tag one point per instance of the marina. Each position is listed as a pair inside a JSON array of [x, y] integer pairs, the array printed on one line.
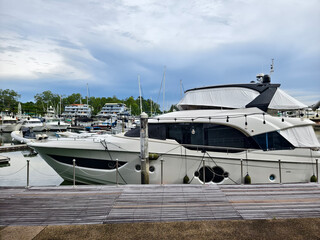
[[162, 120]]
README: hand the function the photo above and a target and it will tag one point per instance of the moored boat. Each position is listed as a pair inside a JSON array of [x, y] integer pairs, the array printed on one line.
[[210, 146]]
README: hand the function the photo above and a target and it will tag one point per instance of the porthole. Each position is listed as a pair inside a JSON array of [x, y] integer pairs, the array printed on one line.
[[151, 168], [218, 174], [138, 167], [272, 177], [196, 174], [226, 174]]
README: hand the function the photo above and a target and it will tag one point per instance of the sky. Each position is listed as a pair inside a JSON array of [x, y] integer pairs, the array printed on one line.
[[63, 45]]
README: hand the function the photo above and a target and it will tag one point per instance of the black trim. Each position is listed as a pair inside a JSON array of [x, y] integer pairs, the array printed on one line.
[[260, 87], [263, 100], [88, 162]]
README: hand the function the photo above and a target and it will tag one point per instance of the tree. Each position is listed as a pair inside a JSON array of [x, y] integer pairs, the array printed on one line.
[[9, 100], [46, 99], [73, 98]]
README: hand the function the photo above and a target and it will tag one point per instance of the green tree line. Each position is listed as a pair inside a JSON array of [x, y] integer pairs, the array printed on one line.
[[9, 100]]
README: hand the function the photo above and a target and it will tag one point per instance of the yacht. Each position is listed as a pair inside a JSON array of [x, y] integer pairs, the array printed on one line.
[[34, 124], [222, 135], [203, 146], [8, 123], [55, 124], [52, 122]]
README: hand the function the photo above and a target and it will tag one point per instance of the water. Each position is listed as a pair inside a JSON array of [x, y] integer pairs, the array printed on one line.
[[41, 174]]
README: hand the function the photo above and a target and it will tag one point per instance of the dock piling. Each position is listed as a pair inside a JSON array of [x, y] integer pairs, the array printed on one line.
[[144, 151]]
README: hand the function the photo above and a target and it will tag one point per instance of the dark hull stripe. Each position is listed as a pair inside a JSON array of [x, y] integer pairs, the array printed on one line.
[[88, 162]]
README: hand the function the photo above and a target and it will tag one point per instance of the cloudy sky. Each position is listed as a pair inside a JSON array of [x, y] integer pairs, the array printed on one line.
[[61, 45]]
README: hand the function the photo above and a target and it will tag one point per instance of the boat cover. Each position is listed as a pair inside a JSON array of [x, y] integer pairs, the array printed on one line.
[[283, 101], [303, 136], [245, 96], [228, 97]]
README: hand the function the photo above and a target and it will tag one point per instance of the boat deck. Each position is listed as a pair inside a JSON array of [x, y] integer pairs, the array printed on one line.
[[150, 203]]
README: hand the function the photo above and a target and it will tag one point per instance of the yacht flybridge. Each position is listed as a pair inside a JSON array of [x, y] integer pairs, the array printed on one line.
[[207, 146]]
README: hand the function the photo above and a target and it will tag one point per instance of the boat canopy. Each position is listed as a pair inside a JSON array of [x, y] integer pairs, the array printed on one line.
[[226, 97], [301, 136], [283, 101], [264, 96]]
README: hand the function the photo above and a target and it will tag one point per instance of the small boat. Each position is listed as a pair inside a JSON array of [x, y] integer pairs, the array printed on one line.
[[32, 123], [27, 135], [8, 124], [55, 124]]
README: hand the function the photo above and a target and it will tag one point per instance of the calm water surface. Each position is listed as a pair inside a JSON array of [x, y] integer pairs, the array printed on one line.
[[41, 174]]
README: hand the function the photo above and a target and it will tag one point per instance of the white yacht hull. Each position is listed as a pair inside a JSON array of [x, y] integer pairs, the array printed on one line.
[[295, 165], [9, 127]]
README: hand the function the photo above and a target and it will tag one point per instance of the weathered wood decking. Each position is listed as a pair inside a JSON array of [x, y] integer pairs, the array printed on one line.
[[10, 148], [145, 203]]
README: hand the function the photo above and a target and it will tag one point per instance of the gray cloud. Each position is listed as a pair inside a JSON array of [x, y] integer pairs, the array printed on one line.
[[202, 42]]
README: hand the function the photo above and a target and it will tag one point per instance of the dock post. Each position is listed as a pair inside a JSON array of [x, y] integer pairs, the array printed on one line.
[[74, 172], [28, 162], [241, 162], [144, 151], [117, 171], [280, 171], [161, 161], [317, 172]]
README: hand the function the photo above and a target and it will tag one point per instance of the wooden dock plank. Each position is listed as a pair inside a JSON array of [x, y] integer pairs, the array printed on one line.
[[149, 203]]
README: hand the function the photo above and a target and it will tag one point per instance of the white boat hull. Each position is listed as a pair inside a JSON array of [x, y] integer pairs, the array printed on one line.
[[9, 127], [296, 165]]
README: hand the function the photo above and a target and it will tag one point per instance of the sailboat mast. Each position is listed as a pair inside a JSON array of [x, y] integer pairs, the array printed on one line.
[[140, 94], [87, 94], [164, 87], [151, 106]]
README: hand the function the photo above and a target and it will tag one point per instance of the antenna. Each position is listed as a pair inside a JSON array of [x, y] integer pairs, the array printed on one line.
[[271, 67]]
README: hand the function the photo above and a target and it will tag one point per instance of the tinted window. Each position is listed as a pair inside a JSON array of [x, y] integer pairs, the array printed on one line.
[[272, 141], [156, 131], [205, 134]]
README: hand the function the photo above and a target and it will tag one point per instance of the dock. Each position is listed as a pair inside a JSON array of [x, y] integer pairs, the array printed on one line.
[[11, 148], [102, 204]]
